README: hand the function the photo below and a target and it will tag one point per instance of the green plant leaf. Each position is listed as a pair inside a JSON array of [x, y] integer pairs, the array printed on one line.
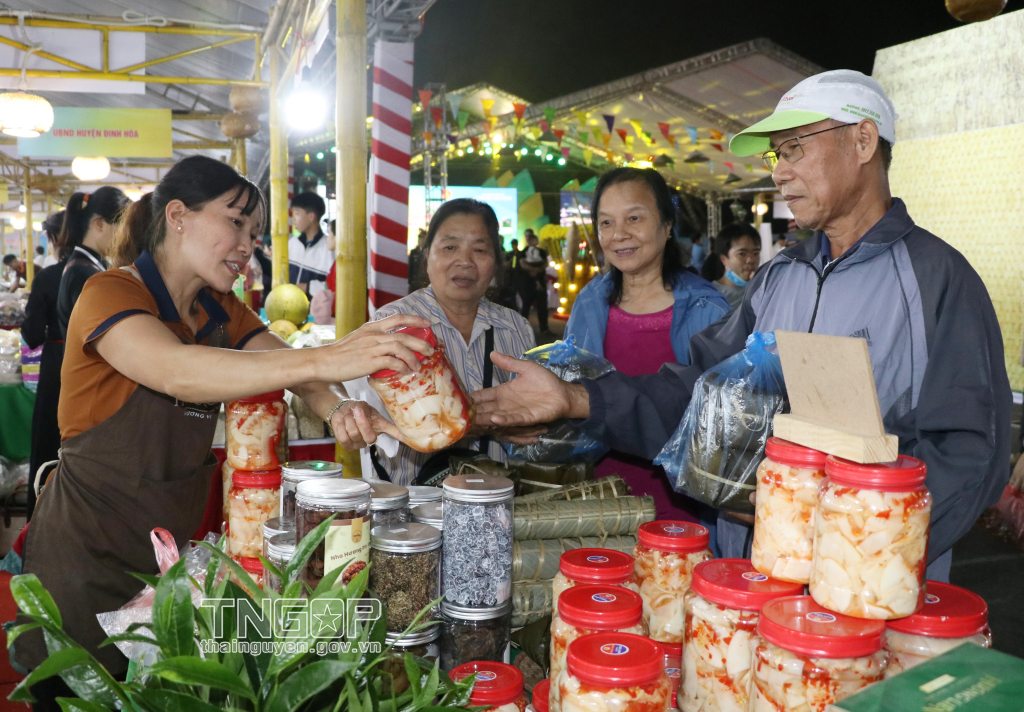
[[254, 591], [305, 549], [352, 694], [198, 671], [304, 683], [68, 704], [129, 638], [55, 664], [147, 579], [412, 671], [211, 570], [328, 581], [173, 614], [33, 599], [172, 701], [90, 682], [17, 630], [430, 688], [270, 566]]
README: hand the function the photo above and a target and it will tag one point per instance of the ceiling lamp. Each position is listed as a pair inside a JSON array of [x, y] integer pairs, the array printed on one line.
[[37, 225], [18, 222], [24, 115], [696, 157], [90, 169], [306, 109], [133, 194], [662, 160]]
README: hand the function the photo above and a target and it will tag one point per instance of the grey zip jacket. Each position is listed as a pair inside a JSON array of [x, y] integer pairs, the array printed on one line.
[[936, 351]]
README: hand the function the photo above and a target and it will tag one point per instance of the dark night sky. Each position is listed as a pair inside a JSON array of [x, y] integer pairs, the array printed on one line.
[[542, 49]]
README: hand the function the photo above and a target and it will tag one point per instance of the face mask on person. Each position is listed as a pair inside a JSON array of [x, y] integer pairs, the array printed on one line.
[[735, 279]]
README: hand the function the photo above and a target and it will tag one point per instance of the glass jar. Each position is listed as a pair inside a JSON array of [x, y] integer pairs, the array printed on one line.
[[253, 430], [253, 567], [498, 687], [541, 696], [475, 634], [405, 571], [585, 610], [428, 513], [280, 549], [871, 538], [420, 645], [807, 658], [292, 473], [421, 494], [665, 555], [389, 504], [673, 665], [226, 472], [275, 526], [951, 616], [477, 568], [787, 499], [591, 566], [614, 672], [252, 501], [722, 610], [430, 406], [348, 540]]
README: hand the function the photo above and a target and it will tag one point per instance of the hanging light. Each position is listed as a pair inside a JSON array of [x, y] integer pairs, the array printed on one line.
[[306, 109], [133, 194], [18, 222], [37, 225], [24, 115], [90, 168], [22, 208]]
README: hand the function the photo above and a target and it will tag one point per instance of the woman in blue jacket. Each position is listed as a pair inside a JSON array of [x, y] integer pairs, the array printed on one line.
[[642, 313]]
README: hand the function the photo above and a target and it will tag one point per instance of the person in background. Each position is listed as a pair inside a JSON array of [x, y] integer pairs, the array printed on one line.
[[417, 278], [262, 252], [310, 253], [86, 235], [698, 253], [533, 263], [779, 243], [16, 270], [42, 328], [643, 311], [39, 258], [738, 249]]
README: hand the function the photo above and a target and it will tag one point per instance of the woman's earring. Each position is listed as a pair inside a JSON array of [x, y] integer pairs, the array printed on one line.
[[179, 228]]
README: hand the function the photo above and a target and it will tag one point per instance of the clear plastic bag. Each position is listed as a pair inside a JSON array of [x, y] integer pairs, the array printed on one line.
[[12, 309], [10, 357], [565, 441], [714, 454]]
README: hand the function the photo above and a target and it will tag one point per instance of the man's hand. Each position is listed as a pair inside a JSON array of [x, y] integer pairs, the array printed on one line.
[[357, 425], [536, 396]]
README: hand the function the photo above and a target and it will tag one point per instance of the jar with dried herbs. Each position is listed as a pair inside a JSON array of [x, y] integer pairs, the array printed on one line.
[[348, 540], [405, 570], [471, 633]]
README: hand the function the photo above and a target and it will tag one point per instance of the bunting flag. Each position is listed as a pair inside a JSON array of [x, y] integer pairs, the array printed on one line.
[[715, 134], [610, 120], [455, 101], [474, 141], [693, 168], [611, 157], [730, 166], [750, 168], [428, 137], [692, 130], [549, 114], [605, 138], [453, 139], [565, 152], [628, 157], [622, 134], [438, 113], [388, 185], [673, 140], [718, 146], [486, 126], [462, 118], [629, 143], [582, 116], [588, 156], [558, 134], [425, 95], [665, 130], [519, 108], [648, 139], [544, 126], [583, 138], [487, 104], [596, 133], [711, 167], [492, 121], [637, 126], [536, 132]]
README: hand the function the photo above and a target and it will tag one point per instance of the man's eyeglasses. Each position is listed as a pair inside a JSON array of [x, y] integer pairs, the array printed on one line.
[[792, 152]]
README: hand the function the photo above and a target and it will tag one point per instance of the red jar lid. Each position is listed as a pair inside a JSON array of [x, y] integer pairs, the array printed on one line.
[[949, 612], [901, 475], [615, 660], [419, 332], [257, 479], [800, 625], [541, 695], [263, 398], [672, 650], [735, 583], [251, 565], [600, 607], [785, 452], [681, 537], [596, 565], [496, 683]]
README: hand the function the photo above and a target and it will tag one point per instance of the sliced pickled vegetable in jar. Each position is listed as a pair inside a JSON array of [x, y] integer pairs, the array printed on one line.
[[591, 566], [253, 500], [614, 672], [253, 430], [498, 686]]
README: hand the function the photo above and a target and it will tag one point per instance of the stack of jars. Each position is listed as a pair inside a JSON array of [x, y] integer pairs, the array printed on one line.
[[252, 473], [614, 672]]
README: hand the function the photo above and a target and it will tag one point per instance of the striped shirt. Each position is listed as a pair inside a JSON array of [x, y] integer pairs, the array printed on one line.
[[513, 335]]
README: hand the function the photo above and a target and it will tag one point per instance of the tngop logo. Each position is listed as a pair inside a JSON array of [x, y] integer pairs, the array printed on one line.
[[298, 618]]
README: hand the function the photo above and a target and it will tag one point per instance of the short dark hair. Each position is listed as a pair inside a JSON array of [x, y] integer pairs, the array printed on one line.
[[885, 148], [9, 259], [672, 265], [40, 250], [53, 225], [465, 206], [731, 234], [311, 202]]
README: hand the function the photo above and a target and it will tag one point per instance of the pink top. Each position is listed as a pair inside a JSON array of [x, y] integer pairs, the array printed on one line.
[[638, 344]]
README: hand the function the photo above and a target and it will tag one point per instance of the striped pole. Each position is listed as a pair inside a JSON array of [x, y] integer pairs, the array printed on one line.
[[389, 173]]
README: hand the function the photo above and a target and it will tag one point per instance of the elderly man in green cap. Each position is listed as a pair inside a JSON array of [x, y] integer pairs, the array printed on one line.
[[868, 271]]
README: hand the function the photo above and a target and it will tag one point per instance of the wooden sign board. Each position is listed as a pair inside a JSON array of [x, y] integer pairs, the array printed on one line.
[[832, 397]]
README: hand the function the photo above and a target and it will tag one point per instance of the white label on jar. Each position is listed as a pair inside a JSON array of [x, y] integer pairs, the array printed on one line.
[[672, 672], [486, 675], [931, 598], [395, 531], [597, 559], [347, 541], [819, 617], [674, 530], [474, 480], [614, 649], [603, 597], [754, 576]]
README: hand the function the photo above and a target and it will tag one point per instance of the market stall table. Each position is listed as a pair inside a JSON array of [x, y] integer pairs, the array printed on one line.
[[16, 404]]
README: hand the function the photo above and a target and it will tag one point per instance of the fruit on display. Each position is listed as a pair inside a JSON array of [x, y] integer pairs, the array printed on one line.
[[283, 328], [288, 302]]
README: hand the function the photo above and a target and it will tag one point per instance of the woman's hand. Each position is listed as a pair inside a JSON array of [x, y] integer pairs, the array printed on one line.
[[536, 396], [372, 348], [356, 425]]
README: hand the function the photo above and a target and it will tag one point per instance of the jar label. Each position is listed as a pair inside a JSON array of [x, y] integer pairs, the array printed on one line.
[[486, 675], [674, 530], [603, 597], [672, 672], [931, 598], [474, 480], [597, 559], [820, 617], [614, 649], [755, 576], [347, 542]]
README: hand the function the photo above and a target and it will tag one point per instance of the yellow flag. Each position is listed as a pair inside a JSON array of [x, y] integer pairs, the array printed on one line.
[[535, 132], [487, 104], [629, 144], [637, 126], [582, 116], [492, 120], [605, 138], [588, 156], [596, 132]]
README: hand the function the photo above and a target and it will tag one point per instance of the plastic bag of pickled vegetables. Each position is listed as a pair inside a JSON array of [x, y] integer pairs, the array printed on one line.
[[714, 453], [565, 441]]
